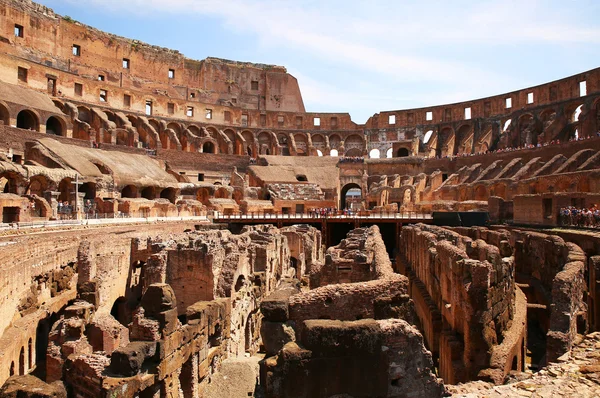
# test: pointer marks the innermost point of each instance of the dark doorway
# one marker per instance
(54, 126)
(27, 120)
(402, 153)
(10, 214)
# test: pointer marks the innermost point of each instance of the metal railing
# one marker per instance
(326, 216)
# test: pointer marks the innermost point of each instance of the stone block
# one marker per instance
(127, 361)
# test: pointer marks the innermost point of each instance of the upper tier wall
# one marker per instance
(496, 106)
(217, 91)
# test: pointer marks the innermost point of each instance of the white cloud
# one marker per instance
(399, 43)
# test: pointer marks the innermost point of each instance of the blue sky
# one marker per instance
(364, 57)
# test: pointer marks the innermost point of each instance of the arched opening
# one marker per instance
(30, 353)
(375, 154)
(203, 195)
(208, 147)
(38, 185)
(170, 194)
(54, 126)
(351, 196)
(120, 312)
(11, 372)
(334, 152)
(355, 145)
(389, 153)
(22, 361)
(89, 189)
(301, 178)
(402, 153)
(84, 114)
(8, 183)
(130, 191)
(427, 136)
(301, 144)
(222, 193)
(149, 193)
(66, 189)
(319, 153)
(27, 120)
(577, 113)
(4, 115)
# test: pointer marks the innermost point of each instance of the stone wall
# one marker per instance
(464, 293)
(361, 256)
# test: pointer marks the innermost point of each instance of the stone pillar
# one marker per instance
(189, 377)
(77, 201)
(86, 265)
(52, 199)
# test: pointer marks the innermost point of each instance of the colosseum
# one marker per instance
(182, 228)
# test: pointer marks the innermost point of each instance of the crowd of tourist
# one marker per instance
(584, 217)
(512, 149)
(324, 212)
(352, 159)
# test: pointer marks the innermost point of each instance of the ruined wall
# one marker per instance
(36, 285)
(383, 358)
(159, 338)
(361, 256)
(464, 294)
(348, 338)
(551, 272)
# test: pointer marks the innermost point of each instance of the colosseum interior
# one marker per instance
(183, 228)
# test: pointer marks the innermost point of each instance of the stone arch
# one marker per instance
(375, 153)
(527, 132)
(446, 142)
(344, 192)
(176, 127)
(389, 153)
(10, 182)
(212, 132)
(301, 144)
(203, 195)
(155, 124)
(56, 126)
(133, 120)
(209, 147)
(319, 142)
(125, 138)
(84, 114)
(148, 193)
(222, 193)
(334, 141)
(481, 193)
(170, 194)
(129, 191)
(354, 145)
(66, 189)
(464, 137)
(38, 184)
(28, 120)
(195, 130)
(265, 143)
(4, 114)
(249, 137)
